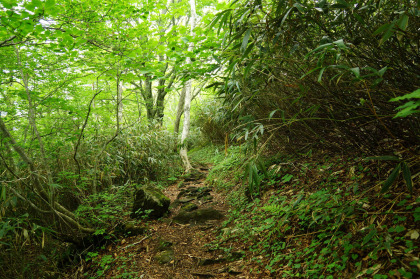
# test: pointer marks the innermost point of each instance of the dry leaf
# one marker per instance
(413, 234)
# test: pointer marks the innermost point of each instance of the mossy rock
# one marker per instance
(148, 198)
(174, 204)
(198, 216)
(164, 257)
(207, 198)
(189, 207)
(193, 175)
(194, 192)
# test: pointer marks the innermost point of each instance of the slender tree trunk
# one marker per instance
(32, 123)
(119, 106)
(138, 105)
(149, 99)
(95, 115)
(179, 112)
(64, 216)
(186, 127)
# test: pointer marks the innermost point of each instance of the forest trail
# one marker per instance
(171, 249)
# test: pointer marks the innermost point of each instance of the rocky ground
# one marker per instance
(176, 246)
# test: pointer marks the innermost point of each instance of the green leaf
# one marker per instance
(299, 7)
(356, 72)
(408, 109)
(392, 177)
(286, 178)
(382, 29)
(369, 236)
(245, 40)
(37, 3)
(342, 2)
(223, 21)
(310, 72)
(327, 45)
(248, 50)
(388, 33)
(263, 169)
(360, 19)
(403, 22)
(282, 116)
(407, 176)
(382, 71)
(49, 4)
(413, 95)
(215, 20)
(340, 43)
(285, 17)
(272, 113)
(299, 199)
(321, 72)
(215, 58)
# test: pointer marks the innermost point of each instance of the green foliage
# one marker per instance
(320, 230)
(212, 119)
(106, 210)
(319, 72)
(409, 107)
(401, 166)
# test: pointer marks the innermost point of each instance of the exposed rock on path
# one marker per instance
(149, 198)
(176, 246)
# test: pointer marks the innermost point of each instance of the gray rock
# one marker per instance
(149, 198)
(132, 229)
(198, 216)
(194, 192)
(189, 207)
(185, 200)
(194, 175)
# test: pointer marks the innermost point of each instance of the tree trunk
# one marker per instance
(119, 106)
(138, 105)
(66, 223)
(186, 127)
(179, 112)
(32, 123)
(148, 99)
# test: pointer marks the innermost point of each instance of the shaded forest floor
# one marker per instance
(316, 216)
(170, 249)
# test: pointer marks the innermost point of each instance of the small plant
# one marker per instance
(410, 107)
(401, 166)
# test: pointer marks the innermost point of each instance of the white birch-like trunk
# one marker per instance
(187, 104)
(119, 103)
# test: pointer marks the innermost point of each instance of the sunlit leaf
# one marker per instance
(245, 40)
(413, 95)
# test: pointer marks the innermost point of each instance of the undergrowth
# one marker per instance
(319, 217)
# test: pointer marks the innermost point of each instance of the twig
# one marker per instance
(135, 243)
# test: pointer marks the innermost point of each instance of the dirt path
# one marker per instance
(176, 250)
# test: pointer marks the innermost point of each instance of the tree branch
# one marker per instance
(81, 132)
